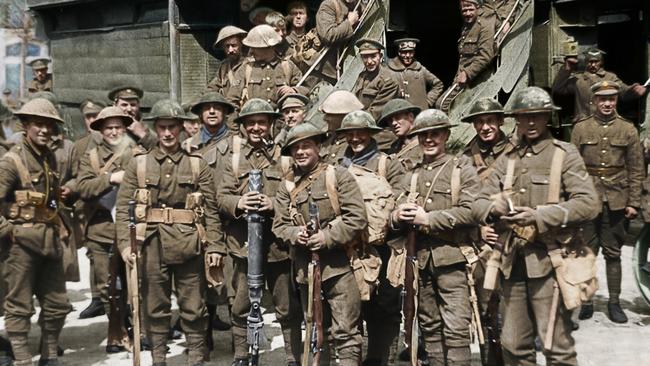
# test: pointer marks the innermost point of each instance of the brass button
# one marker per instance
(603, 151)
(604, 126)
(429, 200)
(332, 155)
(429, 168)
(524, 170)
(268, 78)
(449, 190)
(169, 160)
(604, 138)
(428, 184)
(603, 164)
(528, 155)
(523, 190)
(602, 177)
(167, 175)
(268, 89)
(257, 154)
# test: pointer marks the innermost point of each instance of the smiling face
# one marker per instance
(532, 126)
(212, 115)
(130, 107)
(606, 105)
(407, 57)
(469, 11)
(39, 130)
(112, 130)
(257, 128)
(433, 142)
(371, 61)
(357, 139)
(305, 154)
(168, 130)
(487, 127)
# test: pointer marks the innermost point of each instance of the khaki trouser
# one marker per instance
(278, 280)
(223, 294)
(526, 308)
(341, 312)
(189, 284)
(444, 311)
(27, 275)
(101, 267)
(383, 316)
(607, 231)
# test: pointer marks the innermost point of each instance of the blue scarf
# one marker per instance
(361, 158)
(206, 136)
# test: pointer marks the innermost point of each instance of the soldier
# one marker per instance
(416, 84)
(42, 79)
(335, 23)
(178, 226)
(229, 40)
(100, 173)
(399, 114)
(257, 117)
(264, 75)
(442, 216)
(294, 111)
(382, 312)
(128, 98)
(9, 101)
(341, 297)
(34, 265)
(297, 19)
(279, 23)
(542, 191)
(335, 107)
(375, 85)
(496, 11)
(476, 48)
(569, 82)
(610, 147)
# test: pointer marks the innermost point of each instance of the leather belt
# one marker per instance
(604, 171)
(170, 215)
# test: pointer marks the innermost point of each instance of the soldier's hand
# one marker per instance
(638, 89)
(488, 235)
(116, 178)
(303, 236)
(421, 217)
(316, 241)
(631, 212)
(462, 78)
(353, 18)
(138, 129)
(570, 63)
(213, 259)
(266, 203)
(250, 201)
(64, 193)
(285, 89)
(127, 257)
(405, 212)
(524, 216)
(500, 205)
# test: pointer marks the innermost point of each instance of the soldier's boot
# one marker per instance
(96, 308)
(240, 362)
(292, 337)
(614, 277)
(240, 341)
(159, 347)
(586, 311)
(21, 349)
(196, 348)
(459, 356)
(382, 342)
(435, 353)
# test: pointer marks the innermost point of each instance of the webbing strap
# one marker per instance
(330, 186)
(141, 170)
(93, 155)
(455, 185)
(510, 174)
(555, 177)
(381, 167)
(236, 152)
(248, 72)
(195, 166)
(23, 173)
(435, 179)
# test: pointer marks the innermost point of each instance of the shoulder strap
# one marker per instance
(455, 185)
(248, 72)
(381, 166)
(413, 188)
(510, 174)
(141, 170)
(286, 69)
(236, 152)
(555, 177)
(23, 173)
(285, 165)
(330, 186)
(476, 155)
(93, 155)
(110, 161)
(195, 165)
(435, 179)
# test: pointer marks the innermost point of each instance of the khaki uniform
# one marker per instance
(99, 197)
(38, 86)
(341, 297)
(334, 32)
(293, 38)
(278, 265)
(526, 268)
(382, 312)
(375, 89)
(416, 84)
(578, 85)
(34, 265)
(444, 311)
(476, 48)
(172, 251)
(496, 10)
(264, 79)
(333, 148)
(225, 77)
(484, 156)
(407, 152)
(614, 158)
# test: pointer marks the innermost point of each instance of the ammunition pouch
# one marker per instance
(366, 264)
(30, 208)
(575, 272)
(396, 262)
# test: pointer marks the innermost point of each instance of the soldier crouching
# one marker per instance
(339, 226)
(441, 189)
(30, 186)
(177, 222)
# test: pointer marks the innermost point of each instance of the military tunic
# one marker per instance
(334, 31)
(485, 155)
(342, 300)
(526, 267)
(34, 266)
(37, 86)
(293, 38)
(416, 84)
(476, 48)
(225, 77)
(277, 270)
(375, 89)
(172, 251)
(578, 85)
(407, 151)
(99, 196)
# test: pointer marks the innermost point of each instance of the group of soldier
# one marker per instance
(513, 219)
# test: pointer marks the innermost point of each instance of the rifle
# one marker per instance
(134, 285)
(314, 330)
(117, 333)
(409, 293)
(255, 277)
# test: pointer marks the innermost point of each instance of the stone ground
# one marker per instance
(599, 341)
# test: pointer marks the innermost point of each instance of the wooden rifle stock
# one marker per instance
(316, 299)
(134, 285)
(117, 333)
(411, 334)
